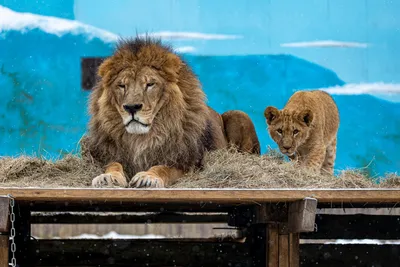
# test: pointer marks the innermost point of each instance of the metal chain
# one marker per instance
(13, 262)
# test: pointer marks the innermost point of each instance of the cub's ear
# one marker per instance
(271, 113)
(306, 116)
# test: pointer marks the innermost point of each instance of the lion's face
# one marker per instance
(137, 81)
(289, 129)
(138, 98)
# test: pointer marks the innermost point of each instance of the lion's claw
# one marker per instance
(146, 179)
(106, 180)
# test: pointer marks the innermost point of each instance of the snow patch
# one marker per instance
(364, 88)
(365, 242)
(112, 235)
(326, 43)
(191, 36)
(350, 241)
(185, 49)
(18, 21)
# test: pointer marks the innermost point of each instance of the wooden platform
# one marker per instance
(223, 196)
(271, 223)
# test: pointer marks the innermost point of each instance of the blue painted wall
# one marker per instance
(246, 64)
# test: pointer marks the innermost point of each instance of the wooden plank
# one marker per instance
(230, 196)
(91, 206)
(140, 252)
(349, 255)
(106, 218)
(301, 216)
(355, 227)
(3, 251)
(273, 245)
(4, 213)
(283, 250)
(294, 246)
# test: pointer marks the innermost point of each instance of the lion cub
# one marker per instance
(306, 129)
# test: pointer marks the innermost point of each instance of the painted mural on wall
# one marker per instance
(248, 55)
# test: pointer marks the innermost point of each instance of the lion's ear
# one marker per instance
(104, 67)
(271, 114)
(306, 116)
(173, 65)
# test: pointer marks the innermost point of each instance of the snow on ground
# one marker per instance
(326, 43)
(364, 88)
(350, 241)
(112, 235)
(18, 21)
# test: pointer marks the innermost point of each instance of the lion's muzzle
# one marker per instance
(132, 109)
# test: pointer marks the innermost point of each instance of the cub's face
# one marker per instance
(288, 129)
(138, 98)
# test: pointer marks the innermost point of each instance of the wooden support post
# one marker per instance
(294, 250)
(279, 245)
(4, 226)
(283, 247)
(273, 245)
(283, 250)
(4, 251)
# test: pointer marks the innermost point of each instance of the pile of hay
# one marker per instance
(223, 169)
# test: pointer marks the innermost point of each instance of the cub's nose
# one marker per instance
(287, 147)
(133, 108)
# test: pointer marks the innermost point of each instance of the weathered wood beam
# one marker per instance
(4, 214)
(301, 217)
(4, 229)
(219, 196)
(105, 218)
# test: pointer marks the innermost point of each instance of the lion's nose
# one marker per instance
(133, 108)
(287, 147)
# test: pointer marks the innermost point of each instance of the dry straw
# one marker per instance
(223, 169)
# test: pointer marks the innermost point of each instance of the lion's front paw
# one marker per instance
(108, 180)
(146, 179)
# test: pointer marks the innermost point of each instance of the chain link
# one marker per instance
(13, 262)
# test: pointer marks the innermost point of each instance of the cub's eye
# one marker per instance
(149, 85)
(296, 131)
(279, 131)
(121, 86)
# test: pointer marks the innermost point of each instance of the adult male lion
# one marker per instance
(149, 119)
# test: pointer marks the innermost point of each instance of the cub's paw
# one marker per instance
(109, 180)
(146, 179)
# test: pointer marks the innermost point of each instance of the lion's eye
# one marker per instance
(279, 131)
(121, 86)
(295, 131)
(149, 85)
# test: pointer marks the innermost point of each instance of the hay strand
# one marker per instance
(223, 169)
